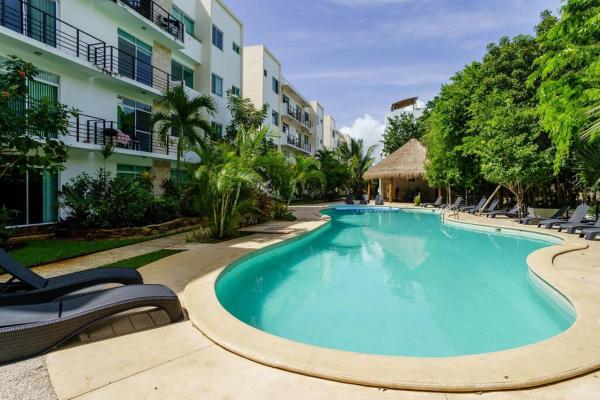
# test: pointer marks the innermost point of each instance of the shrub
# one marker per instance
(200, 235)
(417, 199)
(282, 213)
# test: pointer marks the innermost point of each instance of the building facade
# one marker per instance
(410, 105)
(113, 60)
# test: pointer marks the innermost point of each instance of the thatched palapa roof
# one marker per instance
(406, 163)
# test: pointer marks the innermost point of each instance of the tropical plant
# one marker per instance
(336, 172)
(399, 130)
(359, 160)
(568, 70)
(106, 150)
(303, 170)
(29, 135)
(243, 114)
(185, 118)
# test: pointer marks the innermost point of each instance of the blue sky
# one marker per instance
(358, 56)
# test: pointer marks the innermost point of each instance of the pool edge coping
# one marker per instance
(574, 352)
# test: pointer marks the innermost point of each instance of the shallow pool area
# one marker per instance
(397, 283)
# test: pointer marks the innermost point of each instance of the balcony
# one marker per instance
(150, 17)
(298, 115)
(90, 132)
(297, 143)
(46, 35)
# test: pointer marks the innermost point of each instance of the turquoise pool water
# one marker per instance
(398, 283)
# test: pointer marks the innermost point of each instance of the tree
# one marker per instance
(568, 72)
(359, 160)
(29, 134)
(337, 174)
(303, 170)
(187, 118)
(243, 114)
(512, 147)
(399, 130)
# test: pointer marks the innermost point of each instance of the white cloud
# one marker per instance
(368, 129)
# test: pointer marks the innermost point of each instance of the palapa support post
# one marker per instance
(390, 186)
(369, 191)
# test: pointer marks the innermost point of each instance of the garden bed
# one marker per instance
(143, 231)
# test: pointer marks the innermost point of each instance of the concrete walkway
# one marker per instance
(178, 362)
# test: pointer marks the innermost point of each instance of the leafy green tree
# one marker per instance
(303, 170)
(359, 160)
(507, 136)
(569, 71)
(446, 127)
(187, 118)
(29, 135)
(243, 114)
(399, 130)
(337, 174)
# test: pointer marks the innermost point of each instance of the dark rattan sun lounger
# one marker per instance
(531, 219)
(29, 330)
(573, 227)
(512, 213)
(379, 200)
(475, 207)
(349, 200)
(455, 205)
(27, 287)
(438, 202)
(365, 200)
(577, 217)
(491, 208)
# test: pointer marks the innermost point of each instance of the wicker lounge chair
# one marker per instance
(349, 199)
(530, 219)
(379, 200)
(32, 329)
(436, 204)
(491, 208)
(364, 200)
(27, 287)
(574, 227)
(475, 207)
(577, 216)
(512, 213)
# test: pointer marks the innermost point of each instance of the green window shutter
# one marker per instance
(39, 90)
(42, 21)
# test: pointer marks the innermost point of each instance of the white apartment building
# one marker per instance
(300, 124)
(411, 105)
(112, 60)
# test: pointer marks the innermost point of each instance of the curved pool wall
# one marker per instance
(397, 283)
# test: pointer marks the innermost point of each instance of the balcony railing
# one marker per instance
(297, 114)
(99, 131)
(158, 15)
(21, 17)
(296, 142)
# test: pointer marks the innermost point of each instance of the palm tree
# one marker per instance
(358, 160)
(185, 116)
(303, 170)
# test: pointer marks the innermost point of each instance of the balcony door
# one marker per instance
(135, 58)
(36, 18)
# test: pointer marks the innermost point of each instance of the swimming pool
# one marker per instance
(397, 283)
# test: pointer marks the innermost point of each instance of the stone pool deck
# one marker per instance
(178, 361)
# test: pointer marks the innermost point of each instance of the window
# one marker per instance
(217, 37)
(182, 73)
(236, 91)
(133, 118)
(286, 128)
(275, 85)
(265, 73)
(217, 129)
(130, 171)
(187, 22)
(236, 47)
(217, 85)
(135, 58)
(286, 99)
(275, 118)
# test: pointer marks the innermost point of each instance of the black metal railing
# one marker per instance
(98, 131)
(298, 115)
(297, 142)
(39, 25)
(116, 61)
(158, 15)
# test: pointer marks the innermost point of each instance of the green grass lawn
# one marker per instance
(144, 259)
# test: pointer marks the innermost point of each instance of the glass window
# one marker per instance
(217, 129)
(131, 171)
(187, 22)
(217, 85)
(133, 119)
(181, 73)
(275, 118)
(236, 91)
(236, 47)
(286, 128)
(286, 99)
(217, 37)
(265, 73)
(135, 58)
(276, 86)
